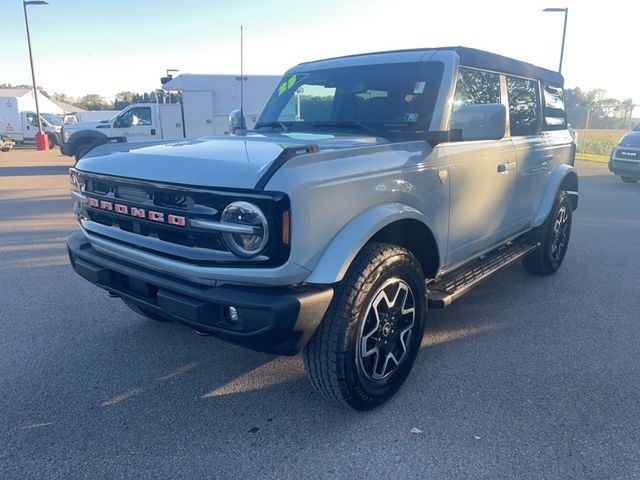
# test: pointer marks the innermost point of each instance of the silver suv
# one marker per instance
(374, 187)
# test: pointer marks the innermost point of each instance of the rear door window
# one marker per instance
(555, 117)
(523, 106)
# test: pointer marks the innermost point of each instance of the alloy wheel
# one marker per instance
(385, 334)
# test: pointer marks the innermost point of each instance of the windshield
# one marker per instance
(637, 128)
(385, 99)
(53, 119)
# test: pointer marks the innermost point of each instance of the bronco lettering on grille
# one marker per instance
(151, 215)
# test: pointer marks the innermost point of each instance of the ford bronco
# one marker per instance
(373, 188)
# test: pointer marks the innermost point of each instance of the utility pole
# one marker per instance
(33, 74)
(564, 31)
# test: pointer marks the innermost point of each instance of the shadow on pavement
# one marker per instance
(34, 170)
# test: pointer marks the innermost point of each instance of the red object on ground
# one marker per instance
(42, 141)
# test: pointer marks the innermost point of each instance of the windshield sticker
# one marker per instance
(287, 84)
(419, 88)
(411, 117)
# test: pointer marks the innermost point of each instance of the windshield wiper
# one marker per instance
(276, 124)
(348, 124)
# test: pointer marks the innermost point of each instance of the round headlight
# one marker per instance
(247, 230)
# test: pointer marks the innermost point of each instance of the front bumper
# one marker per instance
(276, 320)
(629, 167)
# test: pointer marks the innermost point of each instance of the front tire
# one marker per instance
(630, 179)
(553, 236)
(367, 342)
(52, 141)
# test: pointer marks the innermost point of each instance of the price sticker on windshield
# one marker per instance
(419, 88)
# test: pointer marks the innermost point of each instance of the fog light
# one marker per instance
(231, 315)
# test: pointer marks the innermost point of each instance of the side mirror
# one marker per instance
(121, 123)
(237, 123)
(480, 122)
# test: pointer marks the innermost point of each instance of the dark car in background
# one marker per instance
(625, 157)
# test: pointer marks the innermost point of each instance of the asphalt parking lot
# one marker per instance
(524, 377)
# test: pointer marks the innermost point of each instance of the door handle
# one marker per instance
(505, 167)
(153, 131)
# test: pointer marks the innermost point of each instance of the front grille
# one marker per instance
(180, 236)
(180, 202)
(623, 154)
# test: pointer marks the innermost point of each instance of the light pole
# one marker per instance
(564, 30)
(631, 109)
(25, 3)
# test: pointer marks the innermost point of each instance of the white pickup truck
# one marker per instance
(206, 103)
(137, 122)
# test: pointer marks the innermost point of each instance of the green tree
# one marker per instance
(123, 99)
(92, 101)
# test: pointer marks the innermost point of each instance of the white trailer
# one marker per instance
(90, 116)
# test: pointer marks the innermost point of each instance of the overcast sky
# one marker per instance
(92, 46)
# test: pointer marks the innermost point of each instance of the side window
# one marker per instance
(476, 86)
(555, 117)
(523, 106)
(31, 119)
(138, 116)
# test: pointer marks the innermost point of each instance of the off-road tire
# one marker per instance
(331, 356)
(543, 261)
(52, 141)
(626, 179)
(144, 312)
(82, 150)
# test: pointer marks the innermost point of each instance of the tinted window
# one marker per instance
(523, 106)
(476, 86)
(386, 99)
(554, 111)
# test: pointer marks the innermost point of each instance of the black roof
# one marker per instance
(472, 57)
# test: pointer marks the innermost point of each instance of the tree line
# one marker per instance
(93, 101)
(600, 110)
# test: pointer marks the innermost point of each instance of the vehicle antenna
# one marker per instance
(242, 125)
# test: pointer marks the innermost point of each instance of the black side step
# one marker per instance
(454, 284)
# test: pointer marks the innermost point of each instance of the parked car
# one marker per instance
(6, 143)
(374, 187)
(625, 157)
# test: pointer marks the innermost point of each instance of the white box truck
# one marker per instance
(21, 125)
(207, 101)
